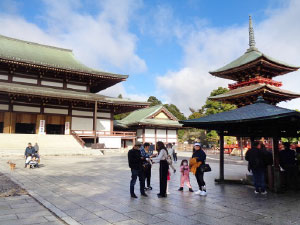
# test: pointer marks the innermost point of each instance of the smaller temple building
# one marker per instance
(151, 124)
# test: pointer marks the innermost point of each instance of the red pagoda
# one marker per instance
(253, 73)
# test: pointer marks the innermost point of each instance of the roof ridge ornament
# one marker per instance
(260, 99)
(251, 36)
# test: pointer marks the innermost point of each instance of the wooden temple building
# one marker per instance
(46, 90)
(151, 125)
(253, 73)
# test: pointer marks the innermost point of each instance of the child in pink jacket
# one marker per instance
(185, 176)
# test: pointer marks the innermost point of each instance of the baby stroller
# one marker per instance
(33, 161)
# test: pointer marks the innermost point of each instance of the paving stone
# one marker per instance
(112, 216)
(98, 221)
(129, 222)
(144, 217)
(8, 217)
(80, 214)
(24, 221)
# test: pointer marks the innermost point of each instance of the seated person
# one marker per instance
(28, 159)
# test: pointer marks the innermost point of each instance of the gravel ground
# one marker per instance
(9, 188)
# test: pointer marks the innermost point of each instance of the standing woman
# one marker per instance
(163, 168)
(197, 160)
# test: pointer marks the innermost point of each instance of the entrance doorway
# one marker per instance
(55, 129)
(1, 127)
(25, 128)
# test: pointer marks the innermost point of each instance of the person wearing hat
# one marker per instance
(198, 158)
(135, 160)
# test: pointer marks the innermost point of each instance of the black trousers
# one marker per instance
(134, 175)
(199, 177)
(147, 173)
(175, 156)
(163, 174)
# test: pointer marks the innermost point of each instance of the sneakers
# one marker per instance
(144, 194)
(203, 193)
(264, 192)
(180, 189)
(198, 192)
(191, 190)
(256, 192)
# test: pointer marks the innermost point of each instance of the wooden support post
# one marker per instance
(241, 143)
(221, 134)
(95, 123)
(276, 177)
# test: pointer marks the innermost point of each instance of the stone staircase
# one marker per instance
(15, 144)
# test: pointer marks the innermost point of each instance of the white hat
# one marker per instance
(197, 144)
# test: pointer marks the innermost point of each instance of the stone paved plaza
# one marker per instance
(95, 190)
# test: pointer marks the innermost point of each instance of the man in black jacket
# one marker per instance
(135, 163)
(287, 161)
(257, 164)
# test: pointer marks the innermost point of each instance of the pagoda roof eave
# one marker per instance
(257, 88)
(250, 59)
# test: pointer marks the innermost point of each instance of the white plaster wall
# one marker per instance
(150, 133)
(56, 111)
(3, 77)
(103, 125)
(104, 114)
(25, 80)
(172, 140)
(111, 142)
(162, 139)
(52, 84)
(77, 87)
(3, 107)
(139, 132)
(140, 139)
(161, 133)
(172, 134)
(21, 108)
(82, 123)
(81, 113)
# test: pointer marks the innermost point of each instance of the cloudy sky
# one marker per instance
(167, 47)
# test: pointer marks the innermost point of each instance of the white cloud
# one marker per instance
(206, 48)
(102, 41)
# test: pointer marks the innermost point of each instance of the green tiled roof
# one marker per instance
(43, 55)
(141, 117)
(249, 57)
(65, 94)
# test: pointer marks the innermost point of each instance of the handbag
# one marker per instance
(205, 168)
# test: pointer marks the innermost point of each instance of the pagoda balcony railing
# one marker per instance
(91, 133)
(256, 80)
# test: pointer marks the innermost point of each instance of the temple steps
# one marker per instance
(15, 144)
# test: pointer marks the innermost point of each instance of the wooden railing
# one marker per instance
(256, 80)
(91, 133)
(78, 138)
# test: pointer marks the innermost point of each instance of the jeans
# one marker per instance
(134, 175)
(259, 179)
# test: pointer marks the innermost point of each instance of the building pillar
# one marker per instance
(95, 122)
(276, 178)
(144, 133)
(221, 134)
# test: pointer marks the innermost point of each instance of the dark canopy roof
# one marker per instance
(258, 119)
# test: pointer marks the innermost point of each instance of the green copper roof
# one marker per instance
(141, 117)
(43, 55)
(249, 57)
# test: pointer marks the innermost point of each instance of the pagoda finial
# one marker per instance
(251, 36)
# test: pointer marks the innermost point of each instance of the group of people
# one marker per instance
(259, 159)
(141, 157)
(32, 156)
